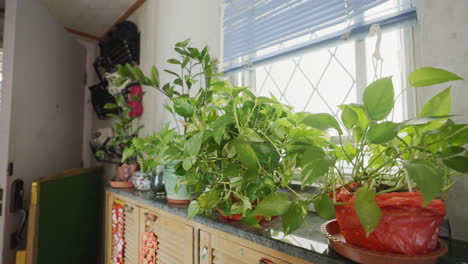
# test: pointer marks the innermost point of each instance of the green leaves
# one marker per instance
(246, 153)
(208, 200)
(193, 209)
(458, 163)
(267, 155)
(155, 76)
(367, 209)
(322, 121)
(431, 76)
(295, 216)
(383, 132)
(315, 163)
(429, 180)
(439, 105)
(192, 145)
(324, 207)
(183, 107)
(274, 204)
(219, 127)
(378, 99)
(349, 117)
(110, 106)
(127, 153)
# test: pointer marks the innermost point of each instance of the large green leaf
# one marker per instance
(322, 121)
(449, 151)
(439, 105)
(324, 207)
(219, 127)
(183, 107)
(378, 99)
(367, 209)
(348, 116)
(315, 163)
(360, 112)
(127, 153)
(383, 132)
(246, 153)
(272, 205)
(193, 209)
(294, 216)
(267, 155)
(458, 163)
(428, 179)
(431, 76)
(192, 145)
(208, 200)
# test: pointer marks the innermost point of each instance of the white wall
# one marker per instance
(442, 41)
(162, 24)
(44, 70)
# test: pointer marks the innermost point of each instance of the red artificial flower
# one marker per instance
(135, 102)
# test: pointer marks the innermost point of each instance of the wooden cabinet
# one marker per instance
(151, 233)
(122, 231)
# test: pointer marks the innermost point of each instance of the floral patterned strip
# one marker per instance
(118, 242)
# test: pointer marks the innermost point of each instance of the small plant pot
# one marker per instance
(235, 217)
(142, 180)
(405, 227)
(124, 172)
(175, 191)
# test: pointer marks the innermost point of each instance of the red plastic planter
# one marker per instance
(405, 226)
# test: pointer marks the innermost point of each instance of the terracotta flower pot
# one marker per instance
(405, 226)
(124, 172)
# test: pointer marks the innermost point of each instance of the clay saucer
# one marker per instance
(121, 184)
(331, 230)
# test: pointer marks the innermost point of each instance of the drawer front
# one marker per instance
(229, 252)
(174, 239)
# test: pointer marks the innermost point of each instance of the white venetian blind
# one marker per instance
(256, 30)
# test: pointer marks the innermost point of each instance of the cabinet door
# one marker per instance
(131, 233)
(227, 252)
(165, 239)
(122, 231)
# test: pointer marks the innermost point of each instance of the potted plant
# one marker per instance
(235, 150)
(248, 155)
(146, 152)
(124, 131)
(186, 106)
(391, 199)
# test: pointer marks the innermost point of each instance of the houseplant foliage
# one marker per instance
(124, 132)
(236, 150)
(399, 170)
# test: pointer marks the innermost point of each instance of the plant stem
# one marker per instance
(292, 190)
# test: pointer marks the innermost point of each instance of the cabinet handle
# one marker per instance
(265, 261)
(204, 254)
(128, 208)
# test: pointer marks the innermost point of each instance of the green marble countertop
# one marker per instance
(306, 243)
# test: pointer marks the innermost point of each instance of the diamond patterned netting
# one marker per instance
(320, 80)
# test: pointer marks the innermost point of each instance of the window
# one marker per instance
(332, 70)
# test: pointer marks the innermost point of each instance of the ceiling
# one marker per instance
(90, 17)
